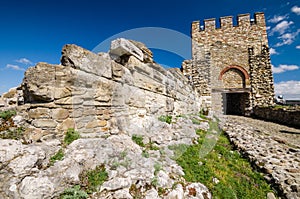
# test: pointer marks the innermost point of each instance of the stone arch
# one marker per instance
(234, 77)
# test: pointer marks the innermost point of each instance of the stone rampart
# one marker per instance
(97, 95)
(286, 116)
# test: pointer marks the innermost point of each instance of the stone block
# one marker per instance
(121, 46)
(96, 123)
(39, 113)
(44, 123)
(60, 114)
(73, 100)
(66, 124)
(84, 60)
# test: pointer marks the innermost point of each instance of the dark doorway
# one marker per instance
(235, 103)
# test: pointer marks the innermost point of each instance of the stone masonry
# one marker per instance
(100, 94)
(231, 64)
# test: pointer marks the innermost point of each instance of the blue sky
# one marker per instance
(35, 31)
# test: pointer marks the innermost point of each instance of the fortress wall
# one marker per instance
(228, 44)
(97, 96)
(221, 60)
(290, 117)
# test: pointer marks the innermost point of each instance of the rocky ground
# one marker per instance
(133, 170)
(273, 148)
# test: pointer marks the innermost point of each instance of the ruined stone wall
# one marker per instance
(290, 116)
(98, 96)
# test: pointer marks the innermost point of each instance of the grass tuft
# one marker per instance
(138, 139)
(165, 118)
(70, 136)
(74, 193)
(93, 179)
(7, 114)
(58, 156)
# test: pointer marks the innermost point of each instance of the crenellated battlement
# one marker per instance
(242, 20)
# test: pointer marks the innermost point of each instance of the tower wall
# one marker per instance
(224, 50)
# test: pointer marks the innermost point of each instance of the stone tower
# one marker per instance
(230, 66)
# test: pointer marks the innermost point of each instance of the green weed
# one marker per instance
(93, 179)
(70, 136)
(58, 156)
(74, 193)
(14, 134)
(145, 154)
(138, 139)
(7, 114)
(165, 118)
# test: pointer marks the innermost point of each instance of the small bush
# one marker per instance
(58, 156)
(70, 136)
(7, 114)
(138, 139)
(94, 178)
(74, 193)
(165, 118)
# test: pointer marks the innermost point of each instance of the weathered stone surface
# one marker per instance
(96, 123)
(271, 196)
(39, 113)
(36, 188)
(121, 47)
(38, 84)
(66, 124)
(59, 114)
(44, 123)
(10, 149)
(79, 58)
(29, 176)
(116, 184)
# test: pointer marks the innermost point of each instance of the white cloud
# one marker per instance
(277, 19)
(291, 87)
(24, 61)
(283, 68)
(268, 27)
(14, 67)
(296, 10)
(298, 47)
(287, 38)
(282, 27)
(273, 51)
